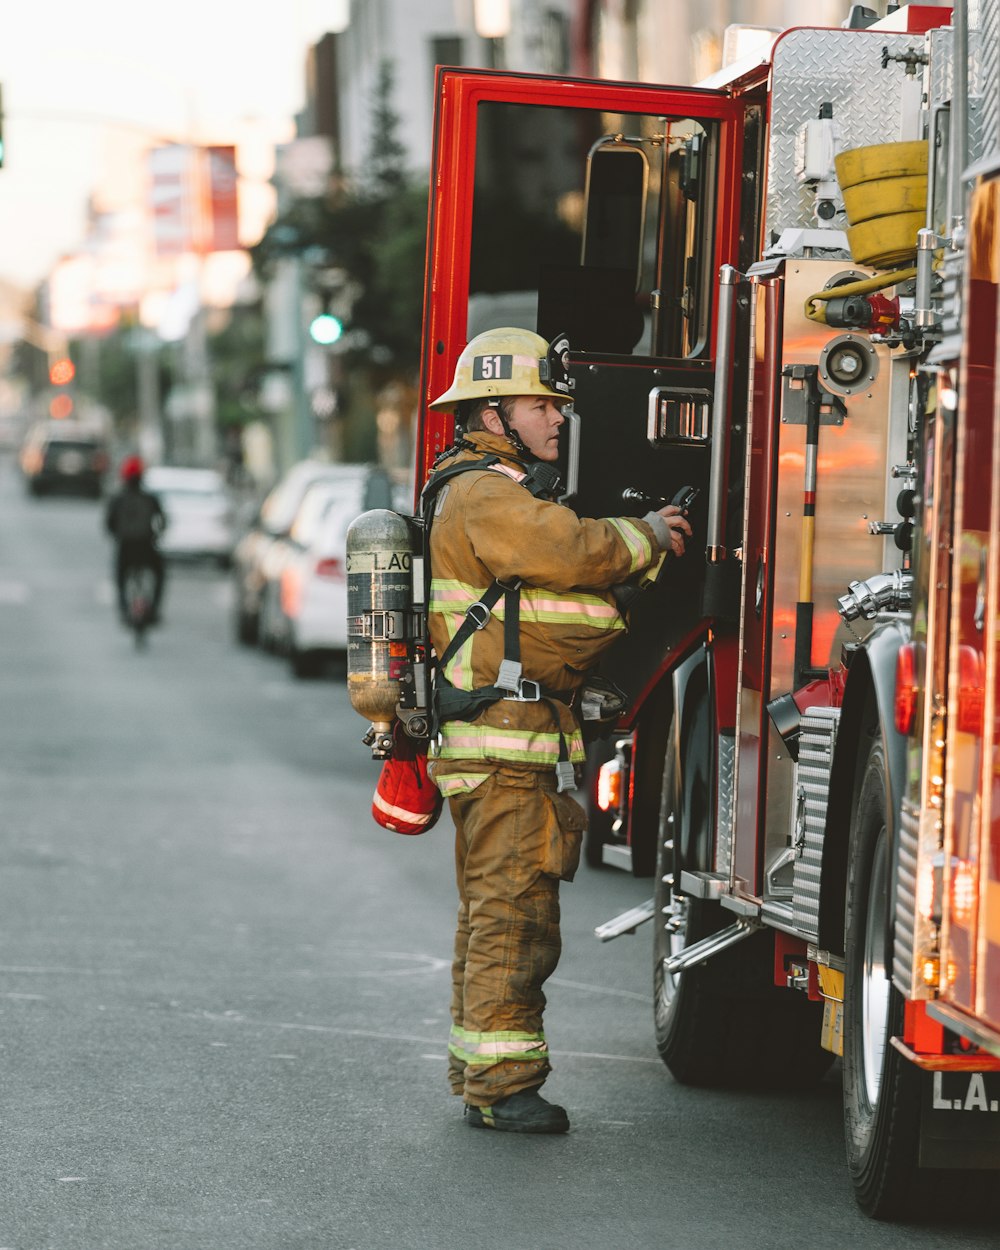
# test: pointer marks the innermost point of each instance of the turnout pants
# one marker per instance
(515, 840)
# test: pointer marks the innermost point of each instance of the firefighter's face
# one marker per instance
(538, 420)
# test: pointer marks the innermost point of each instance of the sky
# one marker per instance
(80, 81)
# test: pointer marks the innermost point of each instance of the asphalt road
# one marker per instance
(224, 990)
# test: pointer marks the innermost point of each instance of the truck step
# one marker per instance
(627, 922)
(709, 946)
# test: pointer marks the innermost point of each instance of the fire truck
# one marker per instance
(779, 287)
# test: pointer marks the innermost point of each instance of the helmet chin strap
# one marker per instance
(512, 436)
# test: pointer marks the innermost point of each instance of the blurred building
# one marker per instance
(679, 42)
(343, 68)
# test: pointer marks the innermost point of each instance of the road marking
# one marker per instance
(594, 1054)
(600, 989)
(38, 998)
(235, 1017)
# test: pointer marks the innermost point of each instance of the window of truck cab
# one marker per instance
(562, 241)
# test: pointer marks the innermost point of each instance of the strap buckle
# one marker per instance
(519, 689)
(473, 615)
(565, 777)
(509, 676)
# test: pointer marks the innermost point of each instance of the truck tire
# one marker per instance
(882, 1094)
(723, 1023)
(881, 1089)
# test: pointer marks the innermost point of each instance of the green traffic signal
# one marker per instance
(326, 329)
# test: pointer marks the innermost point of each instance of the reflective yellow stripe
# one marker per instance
(452, 596)
(569, 609)
(400, 813)
(459, 783)
(539, 605)
(486, 1048)
(640, 548)
(458, 670)
(461, 740)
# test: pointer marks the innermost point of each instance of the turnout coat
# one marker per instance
(485, 525)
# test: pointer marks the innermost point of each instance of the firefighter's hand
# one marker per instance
(678, 525)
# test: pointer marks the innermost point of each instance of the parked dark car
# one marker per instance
(64, 456)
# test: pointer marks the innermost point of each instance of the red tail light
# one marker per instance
(906, 688)
(970, 690)
(609, 786)
(330, 567)
(291, 593)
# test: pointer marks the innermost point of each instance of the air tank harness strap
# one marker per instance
(451, 703)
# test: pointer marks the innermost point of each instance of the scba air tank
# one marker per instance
(380, 551)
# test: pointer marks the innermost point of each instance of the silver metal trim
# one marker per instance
(572, 453)
(679, 417)
(729, 279)
(703, 884)
(747, 907)
(617, 856)
(709, 946)
(626, 922)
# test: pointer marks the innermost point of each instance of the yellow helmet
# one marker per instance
(508, 361)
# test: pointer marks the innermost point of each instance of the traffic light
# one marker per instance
(325, 329)
(62, 371)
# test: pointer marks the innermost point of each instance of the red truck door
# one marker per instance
(602, 211)
(508, 191)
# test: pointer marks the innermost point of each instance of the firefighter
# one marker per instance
(503, 553)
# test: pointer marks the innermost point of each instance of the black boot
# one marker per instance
(524, 1112)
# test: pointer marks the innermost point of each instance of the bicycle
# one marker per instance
(140, 586)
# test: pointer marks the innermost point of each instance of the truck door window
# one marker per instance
(594, 224)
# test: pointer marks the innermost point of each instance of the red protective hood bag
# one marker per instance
(405, 799)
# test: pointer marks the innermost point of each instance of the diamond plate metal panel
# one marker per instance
(939, 80)
(989, 26)
(724, 803)
(812, 789)
(844, 68)
(906, 899)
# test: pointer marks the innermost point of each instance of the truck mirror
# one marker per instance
(617, 178)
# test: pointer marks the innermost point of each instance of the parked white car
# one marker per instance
(256, 558)
(314, 579)
(199, 512)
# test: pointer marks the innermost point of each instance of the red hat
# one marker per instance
(132, 468)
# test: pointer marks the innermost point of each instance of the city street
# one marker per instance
(224, 990)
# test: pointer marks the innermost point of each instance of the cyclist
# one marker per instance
(135, 519)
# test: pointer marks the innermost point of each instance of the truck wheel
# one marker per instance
(724, 1022)
(881, 1089)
